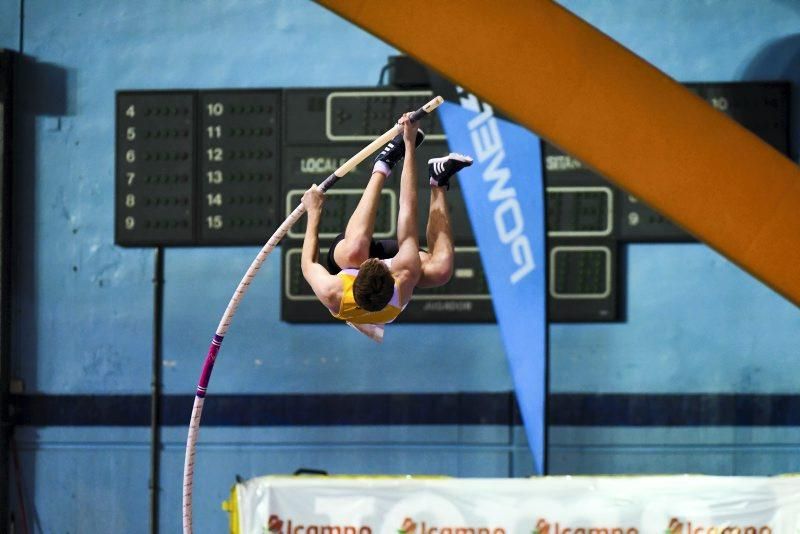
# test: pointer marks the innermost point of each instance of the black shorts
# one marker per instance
(382, 249)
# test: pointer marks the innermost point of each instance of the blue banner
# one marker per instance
(504, 194)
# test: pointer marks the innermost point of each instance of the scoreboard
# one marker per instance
(226, 167)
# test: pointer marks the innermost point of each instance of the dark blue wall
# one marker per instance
(83, 307)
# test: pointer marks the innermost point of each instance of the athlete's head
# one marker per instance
(374, 286)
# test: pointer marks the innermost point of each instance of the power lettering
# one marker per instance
(508, 219)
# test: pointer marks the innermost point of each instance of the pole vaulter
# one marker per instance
(552, 72)
(233, 305)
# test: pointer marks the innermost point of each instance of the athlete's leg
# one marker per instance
(437, 265)
(354, 248)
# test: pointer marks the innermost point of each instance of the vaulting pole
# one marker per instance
(238, 295)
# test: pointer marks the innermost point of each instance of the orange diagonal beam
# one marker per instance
(560, 77)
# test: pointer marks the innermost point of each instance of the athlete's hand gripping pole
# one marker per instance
(233, 305)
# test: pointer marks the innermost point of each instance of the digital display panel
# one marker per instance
(580, 211)
(339, 206)
(580, 272)
(364, 115)
(583, 279)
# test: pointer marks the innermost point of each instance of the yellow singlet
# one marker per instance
(349, 310)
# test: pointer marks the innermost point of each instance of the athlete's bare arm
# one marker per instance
(327, 287)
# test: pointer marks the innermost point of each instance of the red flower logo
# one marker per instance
(542, 527)
(408, 526)
(274, 523)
